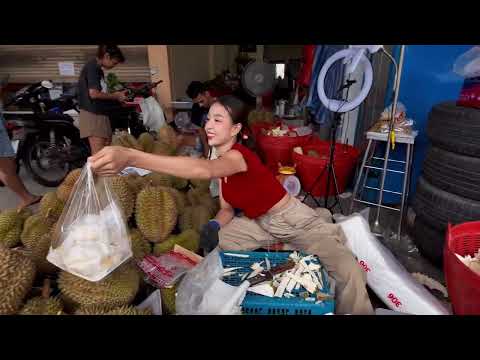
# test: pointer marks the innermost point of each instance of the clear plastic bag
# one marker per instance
(153, 116)
(90, 239)
(467, 65)
(202, 292)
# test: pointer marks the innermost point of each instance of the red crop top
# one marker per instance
(254, 191)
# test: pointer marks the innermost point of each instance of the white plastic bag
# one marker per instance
(90, 239)
(202, 292)
(467, 65)
(385, 275)
(153, 117)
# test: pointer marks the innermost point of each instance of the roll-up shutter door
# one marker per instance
(31, 63)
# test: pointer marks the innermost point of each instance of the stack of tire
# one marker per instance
(449, 189)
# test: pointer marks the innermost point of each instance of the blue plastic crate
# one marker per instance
(254, 304)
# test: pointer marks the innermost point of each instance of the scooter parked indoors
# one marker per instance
(43, 133)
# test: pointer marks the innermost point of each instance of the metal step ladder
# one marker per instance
(373, 139)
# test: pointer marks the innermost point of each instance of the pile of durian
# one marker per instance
(160, 211)
(260, 116)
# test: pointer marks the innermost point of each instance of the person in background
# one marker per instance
(94, 99)
(272, 215)
(203, 97)
(8, 170)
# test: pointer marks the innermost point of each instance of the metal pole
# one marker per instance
(398, 75)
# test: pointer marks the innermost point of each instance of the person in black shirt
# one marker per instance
(94, 99)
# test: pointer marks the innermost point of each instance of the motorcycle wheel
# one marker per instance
(46, 164)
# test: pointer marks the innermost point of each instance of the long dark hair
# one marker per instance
(237, 110)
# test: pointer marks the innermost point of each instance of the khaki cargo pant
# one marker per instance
(300, 227)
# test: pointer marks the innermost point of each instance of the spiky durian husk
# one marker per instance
(160, 148)
(51, 202)
(117, 289)
(194, 217)
(140, 245)
(41, 306)
(180, 199)
(146, 140)
(136, 183)
(35, 227)
(200, 197)
(157, 179)
(179, 183)
(167, 135)
(127, 140)
(168, 300)
(17, 273)
(11, 226)
(123, 193)
(201, 184)
(39, 251)
(156, 213)
(188, 239)
(123, 310)
(66, 187)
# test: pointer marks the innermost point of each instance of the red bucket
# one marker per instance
(309, 168)
(463, 284)
(278, 149)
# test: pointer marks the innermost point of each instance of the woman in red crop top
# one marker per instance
(271, 215)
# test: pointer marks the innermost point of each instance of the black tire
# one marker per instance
(429, 241)
(456, 174)
(455, 128)
(437, 207)
(38, 176)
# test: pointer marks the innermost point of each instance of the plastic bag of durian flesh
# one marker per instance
(90, 239)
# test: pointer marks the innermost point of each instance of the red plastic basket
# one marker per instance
(463, 284)
(275, 150)
(309, 168)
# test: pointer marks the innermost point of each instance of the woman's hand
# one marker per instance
(110, 160)
(121, 96)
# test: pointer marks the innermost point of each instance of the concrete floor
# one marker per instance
(8, 199)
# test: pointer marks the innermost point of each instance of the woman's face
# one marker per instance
(219, 126)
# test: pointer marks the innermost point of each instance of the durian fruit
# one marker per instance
(43, 305)
(167, 135)
(201, 184)
(17, 273)
(11, 225)
(168, 300)
(156, 213)
(36, 226)
(189, 239)
(180, 199)
(199, 197)
(160, 148)
(124, 194)
(117, 289)
(50, 201)
(122, 310)
(127, 140)
(135, 182)
(146, 140)
(194, 217)
(158, 179)
(140, 245)
(39, 251)
(66, 187)
(179, 183)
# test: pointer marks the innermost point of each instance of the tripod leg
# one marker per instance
(309, 192)
(337, 197)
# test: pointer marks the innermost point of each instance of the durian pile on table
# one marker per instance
(161, 211)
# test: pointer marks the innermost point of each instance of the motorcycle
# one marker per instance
(45, 138)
